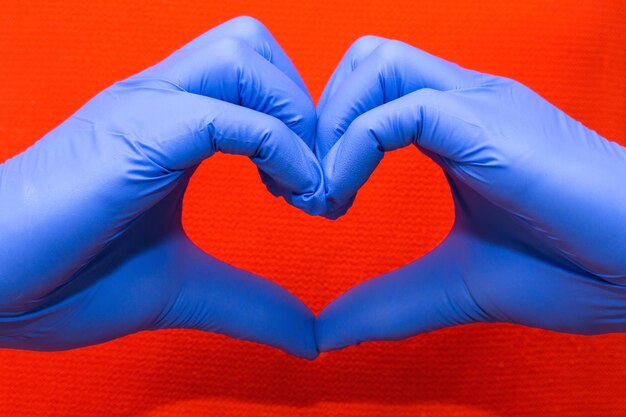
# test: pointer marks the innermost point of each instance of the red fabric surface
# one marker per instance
(55, 55)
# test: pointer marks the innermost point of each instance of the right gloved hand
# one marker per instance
(92, 246)
(540, 232)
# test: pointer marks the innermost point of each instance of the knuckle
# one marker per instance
(229, 50)
(274, 126)
(429, 95)
(364, 46)
(392, 50)
(248, 28)
(479, 78)
(231, 54)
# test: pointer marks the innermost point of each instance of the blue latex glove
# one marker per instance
(539, 237)
(90, 216)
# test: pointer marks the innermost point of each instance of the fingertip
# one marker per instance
(293, 326)
(331, 334)
(352, 318)
(307, 348)
(312, 200)
(290, 326)
(347, 166)
(270, 184)
(335, 212)
(311, 203)
(289, 168)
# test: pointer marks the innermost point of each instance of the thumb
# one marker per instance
(425, 295)
(436, 121)
(220, 298)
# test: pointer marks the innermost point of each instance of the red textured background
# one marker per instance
(56, 55)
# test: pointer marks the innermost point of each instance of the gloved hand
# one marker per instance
(539, 237)
(90, 216)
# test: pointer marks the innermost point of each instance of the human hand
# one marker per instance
(539, 237)
(90, 220)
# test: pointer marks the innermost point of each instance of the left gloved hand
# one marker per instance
(540, 232)
(92, 246)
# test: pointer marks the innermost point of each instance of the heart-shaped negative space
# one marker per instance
(403, 211)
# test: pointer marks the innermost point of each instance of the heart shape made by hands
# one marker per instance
(385, 95)
(106, 188)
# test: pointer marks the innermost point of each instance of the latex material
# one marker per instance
(90, 230)
(524, 248)
(540, 226)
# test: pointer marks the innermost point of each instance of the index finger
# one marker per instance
(392, 70)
